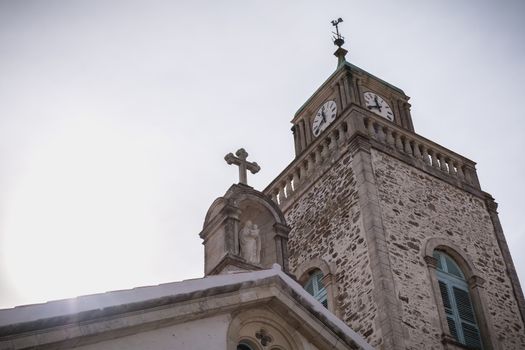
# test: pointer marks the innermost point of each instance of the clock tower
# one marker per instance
(392, 231)
(348, 86)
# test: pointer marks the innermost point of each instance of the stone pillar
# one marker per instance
(389, 311)
(307, 131)
(281, 245)
(302, 134)
(492, 207)
(347, 81)
(232, 230)
(341, 94)
(408, 118)
(357, 86)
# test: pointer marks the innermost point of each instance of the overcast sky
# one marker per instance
(115, 117)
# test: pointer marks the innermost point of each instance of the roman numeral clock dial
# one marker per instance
(378, 105)
(324, 117)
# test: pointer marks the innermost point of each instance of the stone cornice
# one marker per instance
(233, 292)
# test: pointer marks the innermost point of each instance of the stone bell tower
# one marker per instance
(244, 229)
(410, 246)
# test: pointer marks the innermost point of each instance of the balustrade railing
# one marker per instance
(303, 167)
(392, 137)
(421, 149)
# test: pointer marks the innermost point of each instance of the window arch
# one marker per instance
(304, 271)
(459, 310)
(258, 329)
(246, 345)
(314, 286)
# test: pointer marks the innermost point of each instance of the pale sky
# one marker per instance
(115, 117)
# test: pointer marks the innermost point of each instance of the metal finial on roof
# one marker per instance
(338, 38)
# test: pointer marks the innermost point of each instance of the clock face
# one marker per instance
(324, 117)
(378, 105)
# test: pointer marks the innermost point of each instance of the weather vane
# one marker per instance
(338, 38)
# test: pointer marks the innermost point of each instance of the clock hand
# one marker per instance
(377, 104)
(317, 128)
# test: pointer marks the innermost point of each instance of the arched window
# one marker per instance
(246, 345)
(459, 311)
(262, 329)
(315, 287)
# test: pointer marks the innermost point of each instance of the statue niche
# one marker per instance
(250, 243)
(244, 230)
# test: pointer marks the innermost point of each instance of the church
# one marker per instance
(373, 237)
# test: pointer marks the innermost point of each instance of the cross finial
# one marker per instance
(243, 164)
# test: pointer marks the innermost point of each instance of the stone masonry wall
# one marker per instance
(326, 224)
(416, 206)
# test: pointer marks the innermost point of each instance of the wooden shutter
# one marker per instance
(444, 294)
(315, 287)
(467, 318)
(460, 314)
(448, 309)
(309, 287)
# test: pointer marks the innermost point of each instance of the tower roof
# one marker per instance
(343, 64)
(351, 68)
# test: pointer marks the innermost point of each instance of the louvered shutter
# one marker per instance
(315, 287)
(467, 318)
(444, 294)
(448, 309)
(437, 256)
(322, 295)
(459, 311)
(310, 287)
(452, 327)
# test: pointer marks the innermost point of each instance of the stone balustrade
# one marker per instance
(302, 169)
(383, 135)
(422, 150)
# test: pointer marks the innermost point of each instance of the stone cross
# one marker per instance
(243, 164)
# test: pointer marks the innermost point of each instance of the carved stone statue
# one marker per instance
(250, 243)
